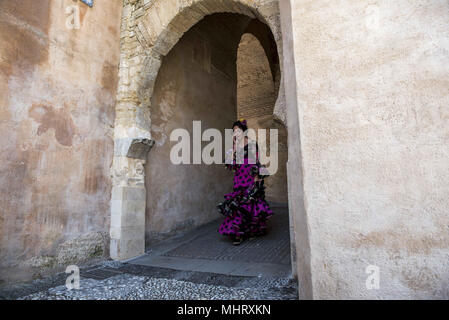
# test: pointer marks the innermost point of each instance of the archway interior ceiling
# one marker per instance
(235, 25)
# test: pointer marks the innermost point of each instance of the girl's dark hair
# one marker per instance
(241, 124)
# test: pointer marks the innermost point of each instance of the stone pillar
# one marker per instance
(132, 142)
(128, 200)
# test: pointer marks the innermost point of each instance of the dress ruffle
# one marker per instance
(245, 211)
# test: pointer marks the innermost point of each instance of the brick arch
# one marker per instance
(150, 29)
(265, 37)
(263, 34)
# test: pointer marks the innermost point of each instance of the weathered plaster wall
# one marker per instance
(196, 82)
(57, 97)
(372, 81)
(299, 226)
(256, 97)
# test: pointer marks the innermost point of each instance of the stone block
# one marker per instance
(132, 148)
(139, 148)
(129, 244)
(133, 214)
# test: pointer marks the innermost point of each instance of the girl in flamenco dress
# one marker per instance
(245, 209)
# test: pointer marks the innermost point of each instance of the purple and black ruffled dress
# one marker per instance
(245, 209)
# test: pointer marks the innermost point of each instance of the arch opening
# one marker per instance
(150, 30)
(204, 78)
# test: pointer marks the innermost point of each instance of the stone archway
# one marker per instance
(149, 30)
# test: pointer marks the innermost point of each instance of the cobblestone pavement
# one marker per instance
(196, 265)
(121, 281)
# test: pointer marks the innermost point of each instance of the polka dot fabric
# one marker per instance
(245, 209)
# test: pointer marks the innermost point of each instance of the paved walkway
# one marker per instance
(205, 250)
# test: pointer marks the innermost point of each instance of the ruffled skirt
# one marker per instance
(246, 212)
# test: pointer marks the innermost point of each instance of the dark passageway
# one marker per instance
(225, 67)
